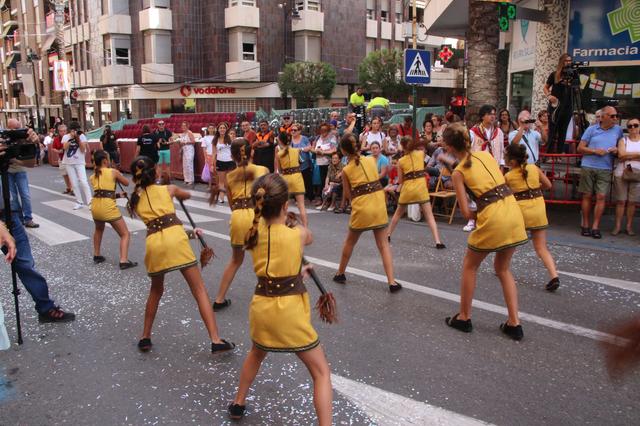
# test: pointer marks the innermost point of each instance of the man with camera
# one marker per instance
(526, 135)
(19, 184)
(23, 262)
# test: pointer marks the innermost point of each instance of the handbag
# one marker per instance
(629, 173)
(206, 174)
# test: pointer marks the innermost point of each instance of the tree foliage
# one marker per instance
(381, 72)
(307, 81)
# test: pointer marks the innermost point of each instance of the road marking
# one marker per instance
(611, 282)
(53, 234)
(387, 408)
(50, 191)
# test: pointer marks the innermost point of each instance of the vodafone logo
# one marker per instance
(187, 90)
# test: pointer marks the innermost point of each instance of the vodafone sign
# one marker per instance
(187, 90)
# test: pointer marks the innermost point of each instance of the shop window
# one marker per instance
(249, 3)
(235, 105)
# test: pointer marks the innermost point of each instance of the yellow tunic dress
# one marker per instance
(500, 224)
(104, 209)
(413, 191)
(240, 188)
(288, 160)
(280, 323)
(533, 210)
(368, 211)
(168, 249)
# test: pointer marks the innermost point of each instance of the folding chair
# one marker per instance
(445, 195)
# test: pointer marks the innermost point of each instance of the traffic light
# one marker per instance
(506, 13)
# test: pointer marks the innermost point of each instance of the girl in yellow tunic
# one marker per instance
(499, 227)
(239, 183)
(288, 165)
(280, 315)
(167, 249)
(413, 188)
(104, 209)
(527, 182)
(361, 184)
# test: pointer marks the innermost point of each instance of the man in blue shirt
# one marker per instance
(598, 146)
(525, 135)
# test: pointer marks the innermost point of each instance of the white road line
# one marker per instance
(53, 234)
(387, 408)
(50, 191)
(612, 282)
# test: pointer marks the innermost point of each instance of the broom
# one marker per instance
(206, 254)
(326, 304)
(623, 353)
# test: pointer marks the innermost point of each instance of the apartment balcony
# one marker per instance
(386, 30)
(157, 73)
(310, 20)
(399, 32)
(372, 28)
(447, 18)
(243, 71)
(114, 24)
(81, 79)
(117, 74)
(241, 16)
(155, 19)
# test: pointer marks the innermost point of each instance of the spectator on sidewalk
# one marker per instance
(110, 145)
(19, 185)
(247, 132)
(406, 129)
(47, 142)
(58, 148)
(598, 146)
(525, 135)
(626, 176)
(264, 148)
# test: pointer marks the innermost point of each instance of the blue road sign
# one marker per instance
(417, 66)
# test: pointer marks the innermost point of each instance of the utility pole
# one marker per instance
(414, 88)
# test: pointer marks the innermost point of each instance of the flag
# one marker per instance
(596, 84)
(584, 79)
(635, 90)
(609, 90)
(623, 89)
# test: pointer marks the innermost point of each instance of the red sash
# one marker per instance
(478, 130)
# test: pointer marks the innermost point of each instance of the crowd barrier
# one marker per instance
(563, 170)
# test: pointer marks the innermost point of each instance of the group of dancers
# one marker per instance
(279, 312)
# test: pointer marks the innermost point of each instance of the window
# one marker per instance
(235, 105)
(157, 47)
(122, 56)
(398, 18)
(308, 5)
(371, 14)
(371, 45)
(117, 50)
(164, 4)
(249, 3)
(384, 17)
(248, 52)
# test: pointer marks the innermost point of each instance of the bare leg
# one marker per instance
(502, 265)
(385, 253)
(347, 250)
(97, 237)
(303, 210)
(157, 288)
(400, 211)
(631, 211)
(222, 183)
(229, 273)
(318, 367)
(599, 210)
(586, 210)
(199, 292)
(120, 226)
(470, 265)
(431, 221)
(619, 213)
(539, 237)
(250, 369)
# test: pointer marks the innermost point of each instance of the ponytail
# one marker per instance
(251, 240)
(270, 194)
(144, 174)
(350, 145)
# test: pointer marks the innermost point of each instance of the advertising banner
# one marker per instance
(604, 30)
(61, 82)
(523, 43)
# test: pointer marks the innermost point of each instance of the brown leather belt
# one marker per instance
(529, 194)
(104, 193)
(282, 286)
(366, 188)
(241, 203)
(291, 170)
(491, 196)
(414, 175)
(162, 222)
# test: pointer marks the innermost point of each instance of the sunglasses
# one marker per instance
(613, 115)
(295, 130)
(633, 126)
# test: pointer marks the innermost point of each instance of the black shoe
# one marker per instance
(236, 411)
(225, 346)
(513, 331)
(394, 288)
(464, 326)
(585, 232)
(98, 259)
(31, 224)
(553, 284)
(340, 278)
(220, 306)
(56, 315)
(128, 264)
(144, 345)
(440, 246)
(595, 233)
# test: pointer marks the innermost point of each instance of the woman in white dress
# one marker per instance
(187, 142)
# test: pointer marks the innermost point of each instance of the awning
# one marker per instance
(11, 61)
(48, 43)
(447, 18)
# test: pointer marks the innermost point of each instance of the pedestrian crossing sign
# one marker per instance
(417, 66)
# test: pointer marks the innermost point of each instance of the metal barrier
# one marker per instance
(563, 170)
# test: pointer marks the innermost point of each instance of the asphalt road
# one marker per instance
(394, 359)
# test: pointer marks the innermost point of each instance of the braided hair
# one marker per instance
(270, 193)
(241, 153)
(349, 144)
(456, 136)
(518, 153)
(99, 157)
(144, 174)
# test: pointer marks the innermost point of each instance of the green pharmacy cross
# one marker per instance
(506, 13)
(626, 18)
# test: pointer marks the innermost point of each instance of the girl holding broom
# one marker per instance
(239, 182)
(280, 315)
(104, 209)
(167, 249)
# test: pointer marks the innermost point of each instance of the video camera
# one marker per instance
(18, 145)
(570, 72)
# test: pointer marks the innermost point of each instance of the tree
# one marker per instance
(482, 44)
(381, 71)
(307, 81)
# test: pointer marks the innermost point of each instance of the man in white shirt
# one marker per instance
(525, 135)
(75, 146)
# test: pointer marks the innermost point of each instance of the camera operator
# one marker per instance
(23, 261)
(19, 184)
(558, 92)
(527, 136)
